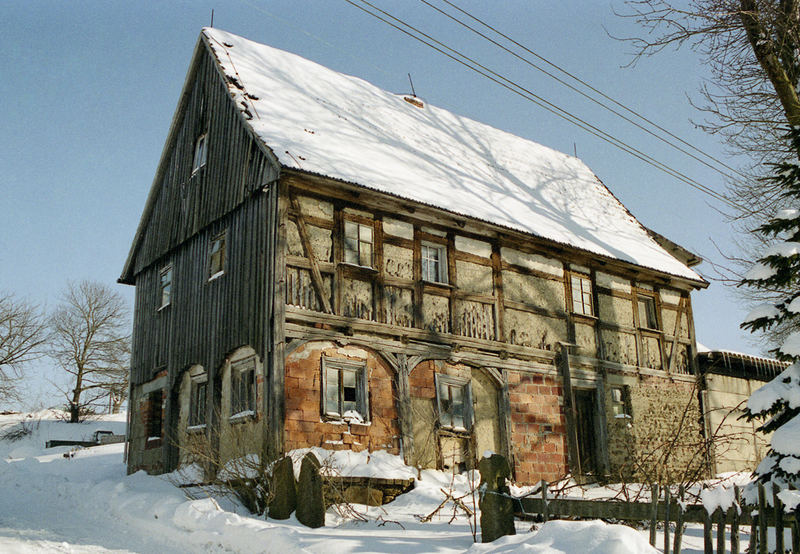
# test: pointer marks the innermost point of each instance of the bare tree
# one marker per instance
(22, 334)
(90, 341)
(752, 51)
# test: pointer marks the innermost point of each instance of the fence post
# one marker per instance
(708, 541)
(721, 531)
(666, 519)
(762, 519)
(796, 531)
(751, 548)
(545, 510)
(737, 497)
(778, 511)
(654, 492)
(676, 545)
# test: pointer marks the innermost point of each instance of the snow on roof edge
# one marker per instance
(275, 65)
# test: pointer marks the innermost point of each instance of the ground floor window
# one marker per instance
(197, 402)
(344, 389)
(454, 402)
(243, 387)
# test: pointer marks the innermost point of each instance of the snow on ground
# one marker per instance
(85, 503)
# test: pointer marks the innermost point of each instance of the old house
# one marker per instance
(323, 263)
(727, 380)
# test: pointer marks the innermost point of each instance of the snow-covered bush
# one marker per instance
(777, 403)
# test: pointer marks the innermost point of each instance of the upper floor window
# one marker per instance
(243, 387)
(582, 295)
(434, 262)
(165, 286)
(197, 402)
(216, 265)
(647, 312)
(344, 385)
(200, 152)
(454, 402)
(358, 243)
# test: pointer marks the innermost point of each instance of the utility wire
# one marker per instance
(590, 87)
(532, 97)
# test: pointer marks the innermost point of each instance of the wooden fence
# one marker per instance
(665, 509)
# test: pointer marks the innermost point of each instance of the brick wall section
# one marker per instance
(304, 422)
(536, 411)
(658, 407)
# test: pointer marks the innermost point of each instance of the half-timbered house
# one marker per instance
(323, 263)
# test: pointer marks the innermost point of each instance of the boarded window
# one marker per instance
(197, 402)
(454, 402)
(216, 265)
(344, 386)
(358, 244)
(165, 286)
(582, 295)
(434, 263)
(200, 152)
(647, 312)
(243, 387)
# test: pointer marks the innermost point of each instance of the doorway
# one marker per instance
(585, 423)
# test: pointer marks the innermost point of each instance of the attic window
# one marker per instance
(647, 312)
(200, 151)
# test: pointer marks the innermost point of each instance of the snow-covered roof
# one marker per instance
(320, 121)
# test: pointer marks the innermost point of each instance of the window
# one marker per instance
(358, 243)
(434, 263)
(344, 385)
(200, 151)
(166, 286)
(582, 295)
(243, 387)
(454, 402)
(197, 402)
(620, 402)
(647, 312)
(154, 414)
(216, 265)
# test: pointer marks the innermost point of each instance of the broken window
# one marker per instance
(197, 402)
(647, 312)
(454, 402)
(620, 402)
(216, 266)
(434, 263)
(582, 295)
(358, 243)
(200, 153)
(166, 286)
(344, 385)
(243, 387)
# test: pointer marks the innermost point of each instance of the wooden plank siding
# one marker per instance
(206, 319)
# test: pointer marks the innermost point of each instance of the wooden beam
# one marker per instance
(316, 276)
(562, 361)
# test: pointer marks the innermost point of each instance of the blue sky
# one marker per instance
(89, 89)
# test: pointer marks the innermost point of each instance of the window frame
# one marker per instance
(441, 273)
(621, 407)
(198, 401)
(648, 301)
(200, 153)
(442, 381)
(220, 239)
(238, 409)
(359, 225)
(582, 279)
(342, 366)
(165, 287)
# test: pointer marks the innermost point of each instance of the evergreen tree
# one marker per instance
(777, 403)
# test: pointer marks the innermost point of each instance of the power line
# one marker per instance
(532, 97)
(590, 87)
